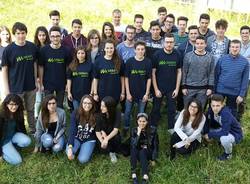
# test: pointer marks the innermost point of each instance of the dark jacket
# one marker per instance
(20, 127)
(151, 141)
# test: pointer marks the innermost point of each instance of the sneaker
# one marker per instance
(225, 156)
(113, 157)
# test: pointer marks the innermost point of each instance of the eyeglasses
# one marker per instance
(194, 107)
(55, 36)
(52, 103)
(87, 103)
(94, 38)
(12, 104)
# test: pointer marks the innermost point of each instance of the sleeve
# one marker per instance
(68, 56)
(179, 60)
(149, 70)
(244, 81)
(91, 73)
(72, 130)
(41, 57)
(197, 132)
(177, 127)
(122, 69)
(62, 122)
(96, 70)
(154, 60)
(69, 74)
(39, 131)
(184, 71)
(5, 60)
(211, 74)
(127, 69)
(21, 127)
(217, 73)
(117, 119)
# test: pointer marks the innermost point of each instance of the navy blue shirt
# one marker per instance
(166, 66)
(54, 62)
(20, 62)
(109, 83)
(152, 46)
(138, 72)
(81, 80)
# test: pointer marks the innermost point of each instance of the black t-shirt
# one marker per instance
(54, 62)
(81, 80)
(52, 128)
(152, 46)
(20, 62)
(166, 66)
(109, 83)
(138, 72)
(85, 133)
(104, 124)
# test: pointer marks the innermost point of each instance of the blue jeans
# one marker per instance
(39, 98)
(10, 154)
(76, 104)
(48, 143)
(86, 150)
(129, 107)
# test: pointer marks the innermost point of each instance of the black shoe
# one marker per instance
(135, 180)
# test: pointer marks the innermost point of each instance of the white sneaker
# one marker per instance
(113, 157)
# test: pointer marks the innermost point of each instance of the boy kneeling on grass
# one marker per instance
(222, 125)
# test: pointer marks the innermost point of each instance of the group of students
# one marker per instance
(123, 65)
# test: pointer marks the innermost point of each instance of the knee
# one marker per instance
(47, 140)
(57, 148)
(224, 141)
(15, 160)
(23, 141)
(84, 159)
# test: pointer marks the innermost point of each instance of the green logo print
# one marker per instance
(24, 58)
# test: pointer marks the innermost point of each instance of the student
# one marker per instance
(231, 77)
(181, 36)
(168, 26)
(166, 70)
(19, 70)
(107, 127)
(75, 39)
(144, 147)
(203, 29)
(54, 58)
(137, 81)
(12, 129)
(198, 73)
(162, 14)
(222, 125)
(94, 45)
(218, 44)
(126, 48)
(50, 126)
(140, 33)
(118, 27)
(54, 16)
(79, 77)
(5, 40)
(41, 39)
(109, 75)
(188, 127)
(82, 131)
(108, 32)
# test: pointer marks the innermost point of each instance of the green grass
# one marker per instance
(201, 167)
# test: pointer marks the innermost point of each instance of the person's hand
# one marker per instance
(187, 144)
(70, 154)
(139, 129)
(158, 94)
(239, 100)
(145, 98)
(175, 93)
(129, 97)
(96, 97)
(209, 92)
(122, 96)
(104, 143)
(55, 140)
(70, 97)
(184, 92)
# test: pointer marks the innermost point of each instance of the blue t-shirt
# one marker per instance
(166, 66)
(109, 83)
(54, 62)
(20, 62)
(81, 80)
(138, 72)
(125, 52)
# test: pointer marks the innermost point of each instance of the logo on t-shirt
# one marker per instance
(24, 58)
(168, 63)
(80, 74)
(138, 72)
(56, 60)
(109, 71)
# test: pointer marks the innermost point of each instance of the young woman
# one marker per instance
(41, 39)
(12, 129)
(5, 40)
(109, 75)
(188, 127)
(108, 32)
(107, 127)
(93, 48)
(50, 126)
(79, 76)
(143, 147)
(82, 131)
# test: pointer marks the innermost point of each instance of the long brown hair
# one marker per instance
(4, 28)
(198, 116)
(104, 37)
(36, 40)
(86, 117)
(74, 64)
(45, 111)
(115, 58)
(91, 34)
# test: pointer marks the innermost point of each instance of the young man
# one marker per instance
(140, 34)
(168, 26)
(222, 125)
(75, 39)
(166, 77)
(219, 44)
(162, 14)
(19, 70)
(204, 21)
(54, 16)
(53, 61)
(231, 77)
(119, 28)
(198, 73)
(126, 49)
(154, 42)
(181, 36)
(137, 81)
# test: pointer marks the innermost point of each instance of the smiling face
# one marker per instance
(109, 49)
(234, 48)
(4, 36)
(138, 23)
(204, 24)
(140, 51)
(200, 45)
(87, 104)
(51, 105)
(76, 28)
(94, 40)
(245, 33)
(41, 37)
(193, 109)
(81, 55)
(107, 31)
(55, 37)
(12, 106)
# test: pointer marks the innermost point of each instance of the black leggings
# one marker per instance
(114, 145)
(183, 151)
(142, 155)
